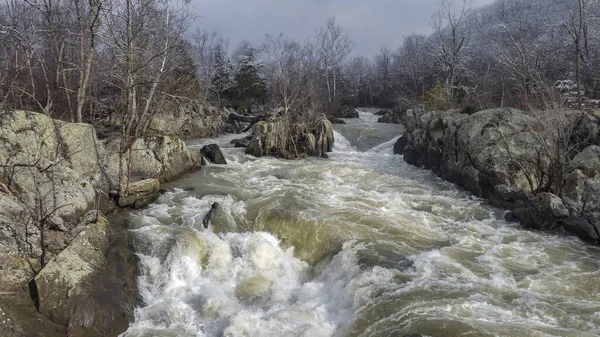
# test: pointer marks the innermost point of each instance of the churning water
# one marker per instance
(360, 244)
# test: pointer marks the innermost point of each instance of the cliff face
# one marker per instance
(519, 162)
(55, 178)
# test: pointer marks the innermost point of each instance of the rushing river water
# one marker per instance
(360, 244)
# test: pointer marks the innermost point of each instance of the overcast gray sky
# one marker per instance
(370, 23)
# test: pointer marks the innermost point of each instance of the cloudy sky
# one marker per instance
(370, 23)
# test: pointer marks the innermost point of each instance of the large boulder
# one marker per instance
(274, 139)
(164, 157)
(140, 194)
(489, 148)
(83, 150)
(62, 281)
(214, 154)
(49, 164)
(90, 286)
(193, 120)
(346, 111)
(505, 155)
(582, 181)
(396, 116)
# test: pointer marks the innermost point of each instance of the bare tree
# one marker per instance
(452, 33)
(141, 35)
(521, 60)
(285, 73)
(577, 27)
(333, 46)
(383, 68)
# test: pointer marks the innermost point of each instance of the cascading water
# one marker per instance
(360, 244)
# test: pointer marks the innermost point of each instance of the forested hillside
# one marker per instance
(509, 53)
(122, 61)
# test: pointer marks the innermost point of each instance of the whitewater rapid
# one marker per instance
(360, 244)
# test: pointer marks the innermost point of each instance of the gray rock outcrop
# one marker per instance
(505, 155)
(273, 139)
(52, 175)
(140, 194)
(193, 120)
(87, 287)
(165, 158)
(346, 111)
(214, 154)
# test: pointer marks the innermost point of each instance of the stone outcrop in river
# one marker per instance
(505, 155)
(53, 185)
(193, 120)
(395, 116)
(346, 111)
(276, 139)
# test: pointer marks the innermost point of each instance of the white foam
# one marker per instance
(341, 144)
(196, 290)
(386, 147)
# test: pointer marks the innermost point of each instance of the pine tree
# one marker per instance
(250, 84)
(222, 81)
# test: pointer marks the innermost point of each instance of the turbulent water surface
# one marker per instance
(360, 244)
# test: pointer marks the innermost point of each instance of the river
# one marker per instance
(360, 244)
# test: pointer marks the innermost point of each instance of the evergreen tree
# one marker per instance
(222, 81)
(250, 84)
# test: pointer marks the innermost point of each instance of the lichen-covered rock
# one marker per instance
(480, 151)
(140, 193)
(582, 180)
(47, 164)
(83, 150)
(163, 157)
(19, 238)
(51, 175)
(90, 286)
(193, 120)
(275, 139)
(499, 154)
(62, 281)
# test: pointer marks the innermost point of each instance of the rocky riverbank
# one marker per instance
(64, 268)
(545, 169)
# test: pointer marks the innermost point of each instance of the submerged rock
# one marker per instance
(209, 215)
(252, 288)
(214, 154)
